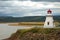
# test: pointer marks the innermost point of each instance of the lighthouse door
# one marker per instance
(47, 23)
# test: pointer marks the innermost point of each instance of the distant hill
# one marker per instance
(26, 19)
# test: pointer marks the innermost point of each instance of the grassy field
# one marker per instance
(36, 34)
(31, 24)
(28, 24)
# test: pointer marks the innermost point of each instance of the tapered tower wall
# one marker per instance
(49, 22)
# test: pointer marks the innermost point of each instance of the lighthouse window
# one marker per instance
(48, 23)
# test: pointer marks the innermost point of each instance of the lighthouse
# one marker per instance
(49, 22)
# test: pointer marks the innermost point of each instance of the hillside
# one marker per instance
(36, 34)
(27, 19)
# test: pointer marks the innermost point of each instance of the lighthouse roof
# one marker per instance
(49, 11)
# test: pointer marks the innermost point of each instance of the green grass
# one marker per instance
(37, 30)
(38, 33)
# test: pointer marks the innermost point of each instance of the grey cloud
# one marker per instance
(14, 11)
(47, 0)
(17, 12)
(13, 0)
(6, 8)
(35, 0)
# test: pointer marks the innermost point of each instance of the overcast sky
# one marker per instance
(19, 8)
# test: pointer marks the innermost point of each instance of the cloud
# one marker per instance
(14, 0)
(47, 0)
(27, 8)
(35, 0)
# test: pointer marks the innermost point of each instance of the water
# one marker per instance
(6, 31)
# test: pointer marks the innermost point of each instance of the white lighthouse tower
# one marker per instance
(49, 22)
